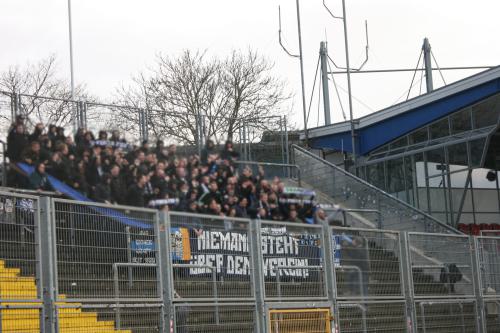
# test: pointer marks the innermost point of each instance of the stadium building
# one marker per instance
(438, 152)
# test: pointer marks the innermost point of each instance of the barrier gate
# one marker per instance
(299, 320)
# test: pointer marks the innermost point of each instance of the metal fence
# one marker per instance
(352, 192)
(263, 138)
(69, 266)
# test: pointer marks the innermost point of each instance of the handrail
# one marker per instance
(116, 285)
(284, 165)
(214, 281)
(363, 313)
(374, 188)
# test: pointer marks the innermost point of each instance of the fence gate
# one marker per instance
(300, 320)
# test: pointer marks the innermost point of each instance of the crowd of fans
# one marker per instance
(108, 169)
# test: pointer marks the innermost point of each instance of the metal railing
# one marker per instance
(73, 266)
(354, 193)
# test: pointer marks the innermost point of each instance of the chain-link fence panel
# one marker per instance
(384, 316)
(105, 252)
(211, 257)
(367, 263)
(6, 113)
(108, 318)
(489, 262)
(48, 111)
(441, 265)
(206, 318)
(351, 192)
(19, 251)
(442, 316)
(293, 260)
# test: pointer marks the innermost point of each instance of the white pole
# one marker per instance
(71, 62)
(302, 74)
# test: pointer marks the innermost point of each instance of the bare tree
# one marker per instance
(44, 96)
(192, 95)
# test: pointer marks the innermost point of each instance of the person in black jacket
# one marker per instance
(38, 179)
(102, 192)
(17, 141)
(135, 194)
(228, 153)
(208, 150)
(117, 185)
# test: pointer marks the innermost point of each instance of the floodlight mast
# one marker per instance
(70, 26)
(349, 69)
(301, 59)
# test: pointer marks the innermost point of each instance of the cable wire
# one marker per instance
(439, 68)
(312, 93)
(414, 74)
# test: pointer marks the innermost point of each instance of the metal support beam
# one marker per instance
(331, 280)
(48, 321)
(323, 54)
(428, 65)
(301, 58)
(258, 276)
(166, 270)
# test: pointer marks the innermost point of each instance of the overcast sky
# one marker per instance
(114, 39)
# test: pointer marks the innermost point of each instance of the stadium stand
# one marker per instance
(108, 257)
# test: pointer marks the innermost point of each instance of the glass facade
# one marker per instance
(448, 168)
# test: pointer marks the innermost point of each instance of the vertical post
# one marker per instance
(13, 107)
(48, 322)
(331, 282)
(407, 282)
(323, 53)
(165, 270)
(129, 255)
(349, 89)
(301, 58)
(245, 141)
(198, 134)
(287, 152)
(428, 65)
(258, 275)
(477, 281)
(70, 26)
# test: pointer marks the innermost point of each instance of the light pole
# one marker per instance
(71, 63)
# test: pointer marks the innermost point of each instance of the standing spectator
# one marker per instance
(117, 186)
(102, 191)
(17, 141)
(135, 194)
(228, 153)
(207, 151)
(37, 133)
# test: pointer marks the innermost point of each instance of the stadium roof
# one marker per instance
(390, 123)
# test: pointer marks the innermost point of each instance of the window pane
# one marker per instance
(486, 113)
(461, 121)
(419, 136)
(402, 142)
(440, 129)
(375, 175)
(395, 176)
(457, 154)
(476, 151)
